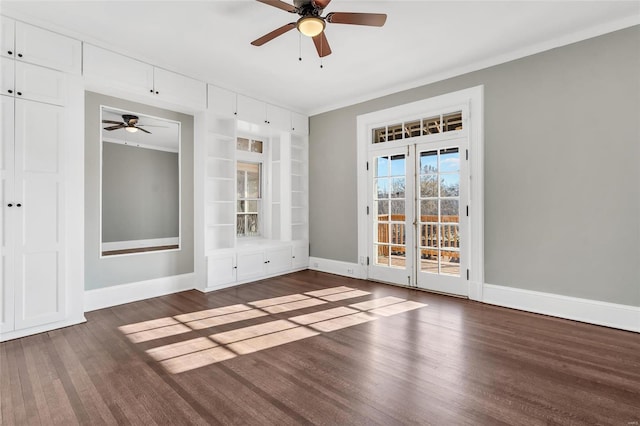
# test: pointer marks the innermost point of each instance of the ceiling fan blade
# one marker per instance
(111, 122)
(280, 5)
(320, 4)
(273, 34)
(140, 128)
(151, 125)
(119, 126)
(371, 19)
(322, 45)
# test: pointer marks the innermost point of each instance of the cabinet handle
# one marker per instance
(235, 113)
(9, 205)
(9, 52)
(10, 91)
(157, 93)
(19, 55)
(19, 93)
(18, 205)
(235, 267)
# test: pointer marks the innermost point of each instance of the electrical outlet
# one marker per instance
(362, 260)
(315, 264)
(350, 271)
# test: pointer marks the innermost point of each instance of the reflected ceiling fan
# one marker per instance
(312, 24)
(129, 123)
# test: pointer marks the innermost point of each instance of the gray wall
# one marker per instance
(562, 179)
(116, 270)
(140, 193)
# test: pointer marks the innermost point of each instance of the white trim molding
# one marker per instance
(337, 267)
(613, 315)
(16, 334)
(133, 292)
(133, 244)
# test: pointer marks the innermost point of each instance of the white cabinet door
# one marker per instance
(251, 264)
(40, 84)
(179, 89)
(7, 36)
(299, 123)
(42, 47)
(221, 269)
(278, 259)
(108, 69)
(300, 255)
(39, 244)
(222, 101)
(7, 216)
(7, 77)
(251, 110)
(278, 118)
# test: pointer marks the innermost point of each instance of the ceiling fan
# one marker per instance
(312, 24)
(129, 123)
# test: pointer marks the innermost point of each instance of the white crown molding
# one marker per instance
(564, 40)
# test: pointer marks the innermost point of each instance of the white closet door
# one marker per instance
(7, 228)
(39, 263)
(40, 84)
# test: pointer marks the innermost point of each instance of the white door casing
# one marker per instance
(470, 99)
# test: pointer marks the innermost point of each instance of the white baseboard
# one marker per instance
(10, 335)
(624, 317)
(132, 292)
(337, 267)
(133, 244)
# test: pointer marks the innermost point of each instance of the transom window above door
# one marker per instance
(430, 125)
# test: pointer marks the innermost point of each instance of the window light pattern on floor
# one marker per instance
(202, 351)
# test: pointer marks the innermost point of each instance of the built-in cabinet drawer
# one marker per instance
(34, 45)
(248, 263)
(26, 81)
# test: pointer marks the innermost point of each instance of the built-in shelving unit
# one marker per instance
(299, 188)
(220, 213)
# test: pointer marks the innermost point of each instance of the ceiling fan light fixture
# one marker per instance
(310, 26)
(131, 129)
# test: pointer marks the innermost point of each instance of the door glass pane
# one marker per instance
(382, 257)
(383, 210)
(429, 186)
(429, 162)
(382, 188)
(397, 187)
(382, 166)
(383, 232)
(398, 257)
(449, 210)
(398, 165)
(429, 210)
(450, 160)
(449, 185)
(397, 210)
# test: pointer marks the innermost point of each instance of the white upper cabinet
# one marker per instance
(108, 68)
(178, 89)
(278, 118)
(251, 110)
(26, 81)
(42, 47)
(222, 102)
(40, 84)
(299, 123)
(7, 32)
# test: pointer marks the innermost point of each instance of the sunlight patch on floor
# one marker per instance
(202, 351)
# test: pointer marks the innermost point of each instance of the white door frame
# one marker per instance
(473, 98)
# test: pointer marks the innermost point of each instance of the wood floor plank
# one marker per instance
(389, 356)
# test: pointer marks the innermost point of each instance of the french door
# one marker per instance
(418, 222)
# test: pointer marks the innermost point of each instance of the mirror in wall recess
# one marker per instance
(140, 183)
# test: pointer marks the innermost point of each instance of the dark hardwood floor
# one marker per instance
(408, 357)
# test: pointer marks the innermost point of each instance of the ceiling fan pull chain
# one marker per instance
(299, 46)
(321, 51)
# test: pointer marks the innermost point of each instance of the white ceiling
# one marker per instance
(422, 41)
